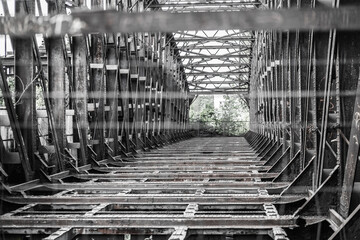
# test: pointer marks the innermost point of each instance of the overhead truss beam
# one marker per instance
(345, 18)
(215, 56)
(205, 65)
(201, 4)
(215, 73)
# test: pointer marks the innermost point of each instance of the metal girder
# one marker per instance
(215, 56)
(115, 185)
(143, 192)
(124, 198)
(215, 73)
(348, 229)
(215, 39)
(221, 92)
(56, 67)
(296, 97)
(98, 84)
(201, 4)
(112, 187)
(221, 89)
(248, 222)
(204, 47)
(178, 175)
(98, 231)
(80, 97)
(64, 233)
(345, 18)
(15, 124)
(287, 122)
(180, 233)
(215, 82)
(203, 65)
(208, 9)
(9, 61)
(352, 158)
(24, 71)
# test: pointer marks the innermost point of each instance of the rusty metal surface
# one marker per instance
(345, 18)
(114, 97)
(194, 200)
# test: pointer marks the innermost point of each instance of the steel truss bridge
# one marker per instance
(95, 139)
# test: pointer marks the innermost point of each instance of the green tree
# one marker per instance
(233, 116)
(207, 114)
(11, 83)
(201, 108)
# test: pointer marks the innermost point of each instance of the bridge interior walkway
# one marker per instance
(95, 133)
(204, 187)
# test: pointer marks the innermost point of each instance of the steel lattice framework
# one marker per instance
(216, 62)
(95, 139)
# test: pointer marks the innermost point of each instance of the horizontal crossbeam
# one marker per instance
(201, 47)
(216, 56)
(215, 73)
(155, 185)
(345, 18)
(153, 198)
(201, 4)
(204, 65)
(217, 39)
(215, 82)
(201, 92)
(256, 222)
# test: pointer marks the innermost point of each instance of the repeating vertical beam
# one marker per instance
(97, 86)
(25, 84)
(137, 49)
(112, 89)
(158, 91)
(151, 97)
(56, 78)
(15, 125)
(141, 112)
(285, 85)
(112, 97)
(167, 105)
(135, 100)
(348, 71)
(97, 89)
(125, 92)
(319, 108)
(324, 80)
(80, 93)
(161, 55)
(352, 158)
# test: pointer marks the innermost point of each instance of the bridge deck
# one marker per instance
(207, 186)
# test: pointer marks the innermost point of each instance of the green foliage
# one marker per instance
(233, 116)
(11, 82)
(40, 103)
(201, 108)
(230, 119)
(207, 114)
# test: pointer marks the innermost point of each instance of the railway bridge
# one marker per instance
(95, 137)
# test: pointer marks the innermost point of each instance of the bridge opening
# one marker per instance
(226, 115)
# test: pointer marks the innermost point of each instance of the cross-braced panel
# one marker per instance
(215, 62)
